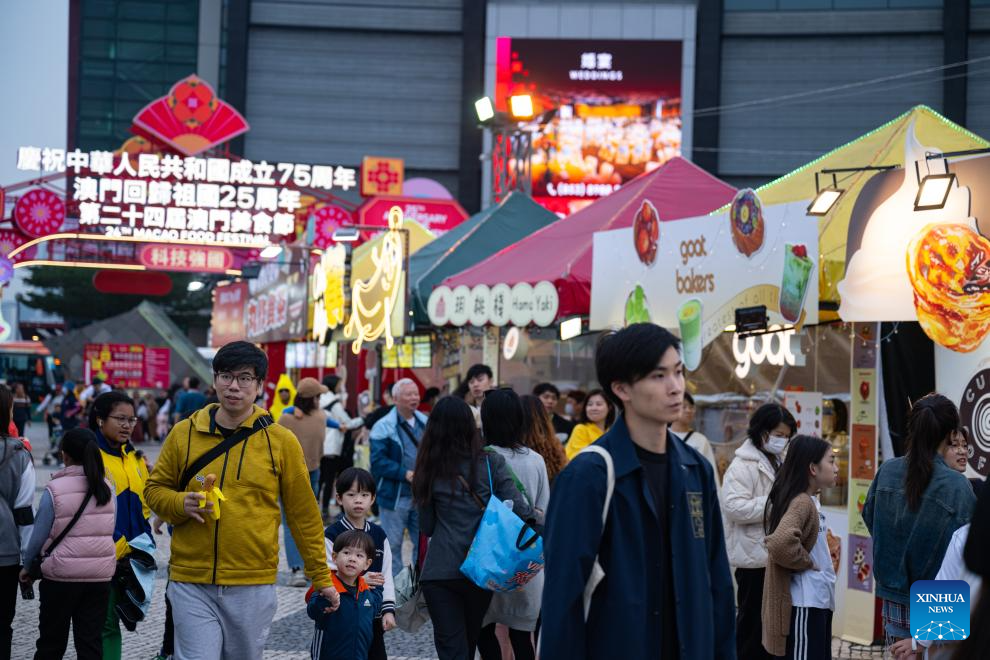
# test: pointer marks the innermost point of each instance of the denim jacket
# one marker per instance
(909, 545)
(386, 459)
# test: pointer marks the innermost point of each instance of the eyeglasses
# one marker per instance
(124, 421)
(226, 378)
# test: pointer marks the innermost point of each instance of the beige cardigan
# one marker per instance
(788, 551)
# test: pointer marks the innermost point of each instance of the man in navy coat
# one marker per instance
(667, 591)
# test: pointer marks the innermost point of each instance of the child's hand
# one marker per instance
(388, 622)
(331, 595)
(375, 579)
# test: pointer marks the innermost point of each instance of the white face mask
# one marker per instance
(569, 409)
(776, 444)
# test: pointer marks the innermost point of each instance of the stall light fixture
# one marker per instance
(826, 198)
(570, 328)
(521, 106)
(934, 191)
(346, 235)
(824, 201)
(195, 285)
(485, 109)
(271, 252)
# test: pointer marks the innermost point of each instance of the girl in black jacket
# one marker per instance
(450, 487)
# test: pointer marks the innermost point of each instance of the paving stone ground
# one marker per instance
(291, 629)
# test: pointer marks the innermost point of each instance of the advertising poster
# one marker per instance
(686, 274)
(127, 366)
(864, 396)
(965, 379)
(865, 345)
(277, 308)
(227, 320)
(932, 265)
(863, 451)
(860, 558)
(807, 410)
(618, 111)
(858, 488)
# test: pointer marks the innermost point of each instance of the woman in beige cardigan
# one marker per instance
(799, 588)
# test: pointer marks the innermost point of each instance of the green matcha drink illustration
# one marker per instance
(794, 286)
(689, 320)
(637, 309)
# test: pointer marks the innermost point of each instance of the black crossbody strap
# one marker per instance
(228, 443)
(72, 523)
(404, 427)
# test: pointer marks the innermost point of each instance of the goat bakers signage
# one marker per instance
(687, 274)
(437, 215)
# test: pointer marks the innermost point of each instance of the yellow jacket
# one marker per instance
(284, 383)
(129, 476)
(242, 546)
(582, 436)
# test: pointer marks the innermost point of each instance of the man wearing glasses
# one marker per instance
(224, 562)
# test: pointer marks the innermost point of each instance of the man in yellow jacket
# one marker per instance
(223, 567)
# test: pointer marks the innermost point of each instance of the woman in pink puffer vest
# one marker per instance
(75, 585)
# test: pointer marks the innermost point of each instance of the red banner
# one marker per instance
(186, 258)
(228, 313)
(128, 365)
(437, 215)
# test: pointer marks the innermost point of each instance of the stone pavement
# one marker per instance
(291, 630)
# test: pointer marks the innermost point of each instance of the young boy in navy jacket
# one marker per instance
(345, 633)
(356, 493)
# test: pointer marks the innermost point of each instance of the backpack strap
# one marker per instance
(597, 572)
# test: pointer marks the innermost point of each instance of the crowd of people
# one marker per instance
(646, 551)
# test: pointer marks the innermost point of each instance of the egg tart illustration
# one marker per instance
(646, 233)
(949, 270)
(746, 219)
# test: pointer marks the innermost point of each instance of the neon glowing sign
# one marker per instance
(327, 285)
(192, 199)
(373, 300)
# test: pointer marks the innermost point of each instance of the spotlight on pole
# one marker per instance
(521, 106)
(485, 110)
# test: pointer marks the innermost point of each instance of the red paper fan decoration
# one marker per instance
(191, 118)
(39, 213)
(11, 239)
(329, 219)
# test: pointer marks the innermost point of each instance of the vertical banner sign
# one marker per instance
(862, 468)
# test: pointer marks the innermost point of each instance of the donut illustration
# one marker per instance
(746, 220)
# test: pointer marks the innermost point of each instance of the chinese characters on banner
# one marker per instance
(129, 365)
(498, 305)
(186, 199)
(186, 258)
(272, 307)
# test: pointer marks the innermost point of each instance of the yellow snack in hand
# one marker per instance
(212, 493)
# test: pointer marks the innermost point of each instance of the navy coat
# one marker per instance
(625, 619)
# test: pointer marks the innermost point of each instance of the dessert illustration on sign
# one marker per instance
(794, 285)
(637, 309)
(949, 270)
(689, 320)
(646, 233)
(746, 219)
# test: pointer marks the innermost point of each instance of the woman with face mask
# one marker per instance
(745, 488)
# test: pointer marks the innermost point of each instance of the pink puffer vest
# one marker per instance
(87, 553)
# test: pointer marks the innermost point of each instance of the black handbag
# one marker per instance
(34, 570)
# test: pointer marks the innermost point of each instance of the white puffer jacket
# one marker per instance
(745, 488)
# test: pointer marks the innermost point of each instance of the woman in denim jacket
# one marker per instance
(912, 509)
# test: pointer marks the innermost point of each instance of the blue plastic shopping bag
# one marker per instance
(506, 552)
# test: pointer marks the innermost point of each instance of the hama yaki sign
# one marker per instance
(186, 197)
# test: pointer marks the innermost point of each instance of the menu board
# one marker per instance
(415, 352)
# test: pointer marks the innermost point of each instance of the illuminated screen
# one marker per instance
(618, 113)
